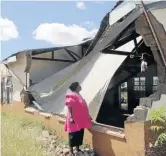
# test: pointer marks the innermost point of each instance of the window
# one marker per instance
(139, 83)
(155, 83)
(123, 97)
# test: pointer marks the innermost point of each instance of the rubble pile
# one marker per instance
(53, 147)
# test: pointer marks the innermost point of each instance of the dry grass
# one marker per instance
(19, 136)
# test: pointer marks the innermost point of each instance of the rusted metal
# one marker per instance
(153, 32)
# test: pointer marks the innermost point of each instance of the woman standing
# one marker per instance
(78, 117)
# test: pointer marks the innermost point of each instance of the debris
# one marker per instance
(53, 148)
(66, 151)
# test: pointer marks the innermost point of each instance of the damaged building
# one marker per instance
(30, 67)
(122, 72)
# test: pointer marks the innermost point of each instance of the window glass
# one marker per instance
(155, 80)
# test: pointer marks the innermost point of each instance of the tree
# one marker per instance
(158, 121)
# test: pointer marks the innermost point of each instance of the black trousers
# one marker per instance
(76, 138)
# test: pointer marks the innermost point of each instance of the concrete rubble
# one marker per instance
(54, 147)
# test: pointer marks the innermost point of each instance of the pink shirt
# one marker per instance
(80, 113)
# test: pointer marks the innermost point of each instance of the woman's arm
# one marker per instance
(70, 114)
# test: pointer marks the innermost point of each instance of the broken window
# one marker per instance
(123, 96)
(155, 83)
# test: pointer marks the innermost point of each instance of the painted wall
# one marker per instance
(160, 16)
(17, 86)
(105, 142)
(3, 71)
(18, 67)
(42, 69)
(158, 104)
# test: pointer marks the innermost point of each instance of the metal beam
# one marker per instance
(136, 45)
(70, 54)
(47, 59)
(82, 51)
(52, 55)
(116, 52)
(45, 50)
(112, 43)
(74, 54)
(125, 40)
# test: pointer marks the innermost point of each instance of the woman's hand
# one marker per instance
(71, 120)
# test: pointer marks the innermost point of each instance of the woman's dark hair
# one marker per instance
(74, 86)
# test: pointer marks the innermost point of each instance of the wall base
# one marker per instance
(105, 140)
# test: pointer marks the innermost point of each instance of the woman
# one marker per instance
(78, 117)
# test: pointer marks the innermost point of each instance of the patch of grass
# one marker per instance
(19, 136)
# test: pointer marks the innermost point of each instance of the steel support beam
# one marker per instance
(116, 52)
(52, 55)
(82, 51)
(136, 45)
(112, 43)
(47, 59)
(72, 53)
(125, 40)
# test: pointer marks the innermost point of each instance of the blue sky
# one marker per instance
(56, 23)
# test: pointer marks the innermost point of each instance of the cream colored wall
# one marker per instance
(3, 69)
(105, 141)
(160, 16)
(18, 67)
(157, 104)
(41, 69)
(17, 86)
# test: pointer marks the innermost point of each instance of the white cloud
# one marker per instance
(89, 24)
(81, 5)
(8, 30)
(61, 35)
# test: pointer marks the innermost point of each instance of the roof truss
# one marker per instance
(50, 59)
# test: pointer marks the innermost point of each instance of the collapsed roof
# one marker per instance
(86, 41)
(98, 67)
(42, 63)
